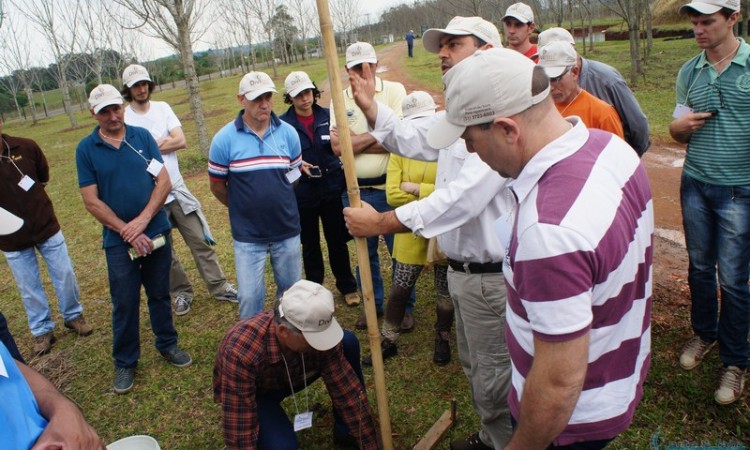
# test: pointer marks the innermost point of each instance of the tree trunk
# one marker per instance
(192, 85)
(635, 58)
(66, 101)
(649, 29)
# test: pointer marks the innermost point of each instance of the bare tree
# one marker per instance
(345, 15)
(263, 11)
(176, 23)
(17, 57)
(304, 15)
(58, 22)
(630, 12)
(241, 17)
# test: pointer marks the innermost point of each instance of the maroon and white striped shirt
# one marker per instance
(579, 260)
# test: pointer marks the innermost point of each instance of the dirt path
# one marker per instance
(663, 163)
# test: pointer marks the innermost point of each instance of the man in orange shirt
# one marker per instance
(560, 62)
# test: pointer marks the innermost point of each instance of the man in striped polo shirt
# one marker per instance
(713, 104)
(579, 282)
(253, 164)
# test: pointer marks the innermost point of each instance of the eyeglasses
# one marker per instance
(559, 77)
(717, 87)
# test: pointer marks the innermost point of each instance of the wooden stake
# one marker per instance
(347, 156)
(438, 430)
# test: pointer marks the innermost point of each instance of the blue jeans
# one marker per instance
(717, 233)
(376, 198)
(125, 279)
(25, 268)
(250, 265)
(276, 432)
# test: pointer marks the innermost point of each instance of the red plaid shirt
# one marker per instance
(249, 362)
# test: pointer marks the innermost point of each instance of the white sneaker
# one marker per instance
(731, 385)
(694, 351)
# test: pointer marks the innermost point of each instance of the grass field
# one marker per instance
(175, 405)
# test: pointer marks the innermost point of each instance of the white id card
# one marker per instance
(302, 421)
(680, 110)
(154, 167)
(26, 183)
(293, 175)
(325, 137)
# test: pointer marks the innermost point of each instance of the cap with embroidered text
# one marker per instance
(487, 85)
(556, 57)
(418, 104)
(309, 307)
(711, 6)
(297, 82)
(521, 12)
(255, 84)
(104, 95)
(360, 53)
(133, 74)
(555, 34)
(462, 26)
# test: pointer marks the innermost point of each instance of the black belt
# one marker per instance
(375, 181)
(470, 267)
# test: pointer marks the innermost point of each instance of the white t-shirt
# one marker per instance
(159, 121)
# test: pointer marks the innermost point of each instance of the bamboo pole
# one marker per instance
(347, 156)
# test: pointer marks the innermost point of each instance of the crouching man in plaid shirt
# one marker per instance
(274, 354)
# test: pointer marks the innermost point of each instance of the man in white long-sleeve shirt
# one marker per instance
(467, 200)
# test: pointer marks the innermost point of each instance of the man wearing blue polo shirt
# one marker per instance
(253, 165)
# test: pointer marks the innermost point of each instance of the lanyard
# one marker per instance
(291, 385)
(11, 159)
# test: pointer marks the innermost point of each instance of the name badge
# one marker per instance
(303, 421)
(26, 183)
(293, 175)
(325, 137)
(680, 110)
(154, 167)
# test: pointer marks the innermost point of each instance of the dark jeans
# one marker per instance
(7, 339)
(125, 279)
(329, 213)
(276, 431)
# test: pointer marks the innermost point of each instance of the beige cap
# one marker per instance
(309, 307)
(521, 12)
(711, 6)
(133, 74)
(104, 95)
(462, 26)
(360, 53)
(297, 82)
(556, 57)
(418, 104)
(255, 84)
(555, 34)
(487, 85)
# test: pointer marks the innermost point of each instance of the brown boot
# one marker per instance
(43, 343)
(79, 325)
(352, 299)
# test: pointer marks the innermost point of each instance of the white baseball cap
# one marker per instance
(487, 85)
(104, 95)
(555, 34)
(360, 53)
(521, 12)
(309, 307)
(462, 26)
(9, 222)
(133, 74)
(255, 84)
(297, 82)
(711, 6)
(418, 104)
(556, 57)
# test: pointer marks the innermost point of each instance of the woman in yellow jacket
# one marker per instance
(409, 180)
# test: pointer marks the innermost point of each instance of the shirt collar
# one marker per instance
(239, 124)
(743, 53)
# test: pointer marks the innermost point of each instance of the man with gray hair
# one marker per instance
(183, 209)
(468, 197)
(579, 287)
(606, 83)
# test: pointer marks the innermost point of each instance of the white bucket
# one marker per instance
(135, 443)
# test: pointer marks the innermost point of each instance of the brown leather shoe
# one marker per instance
(407, 325)
(43, 343)
(79, 325)
(352, 299)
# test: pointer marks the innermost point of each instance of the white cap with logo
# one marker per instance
(556, 57)
(309, 307)
(255, 84)
(487, 85)
(104, 95)
(297, 82)
(711, 6)
(521, 12)
(133, 74)
(555, 34)
(418, 104)
(360, 53)
(462, 26)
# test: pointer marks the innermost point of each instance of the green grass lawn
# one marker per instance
(176, 406)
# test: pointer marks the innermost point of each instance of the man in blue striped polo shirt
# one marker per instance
(253, 164)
